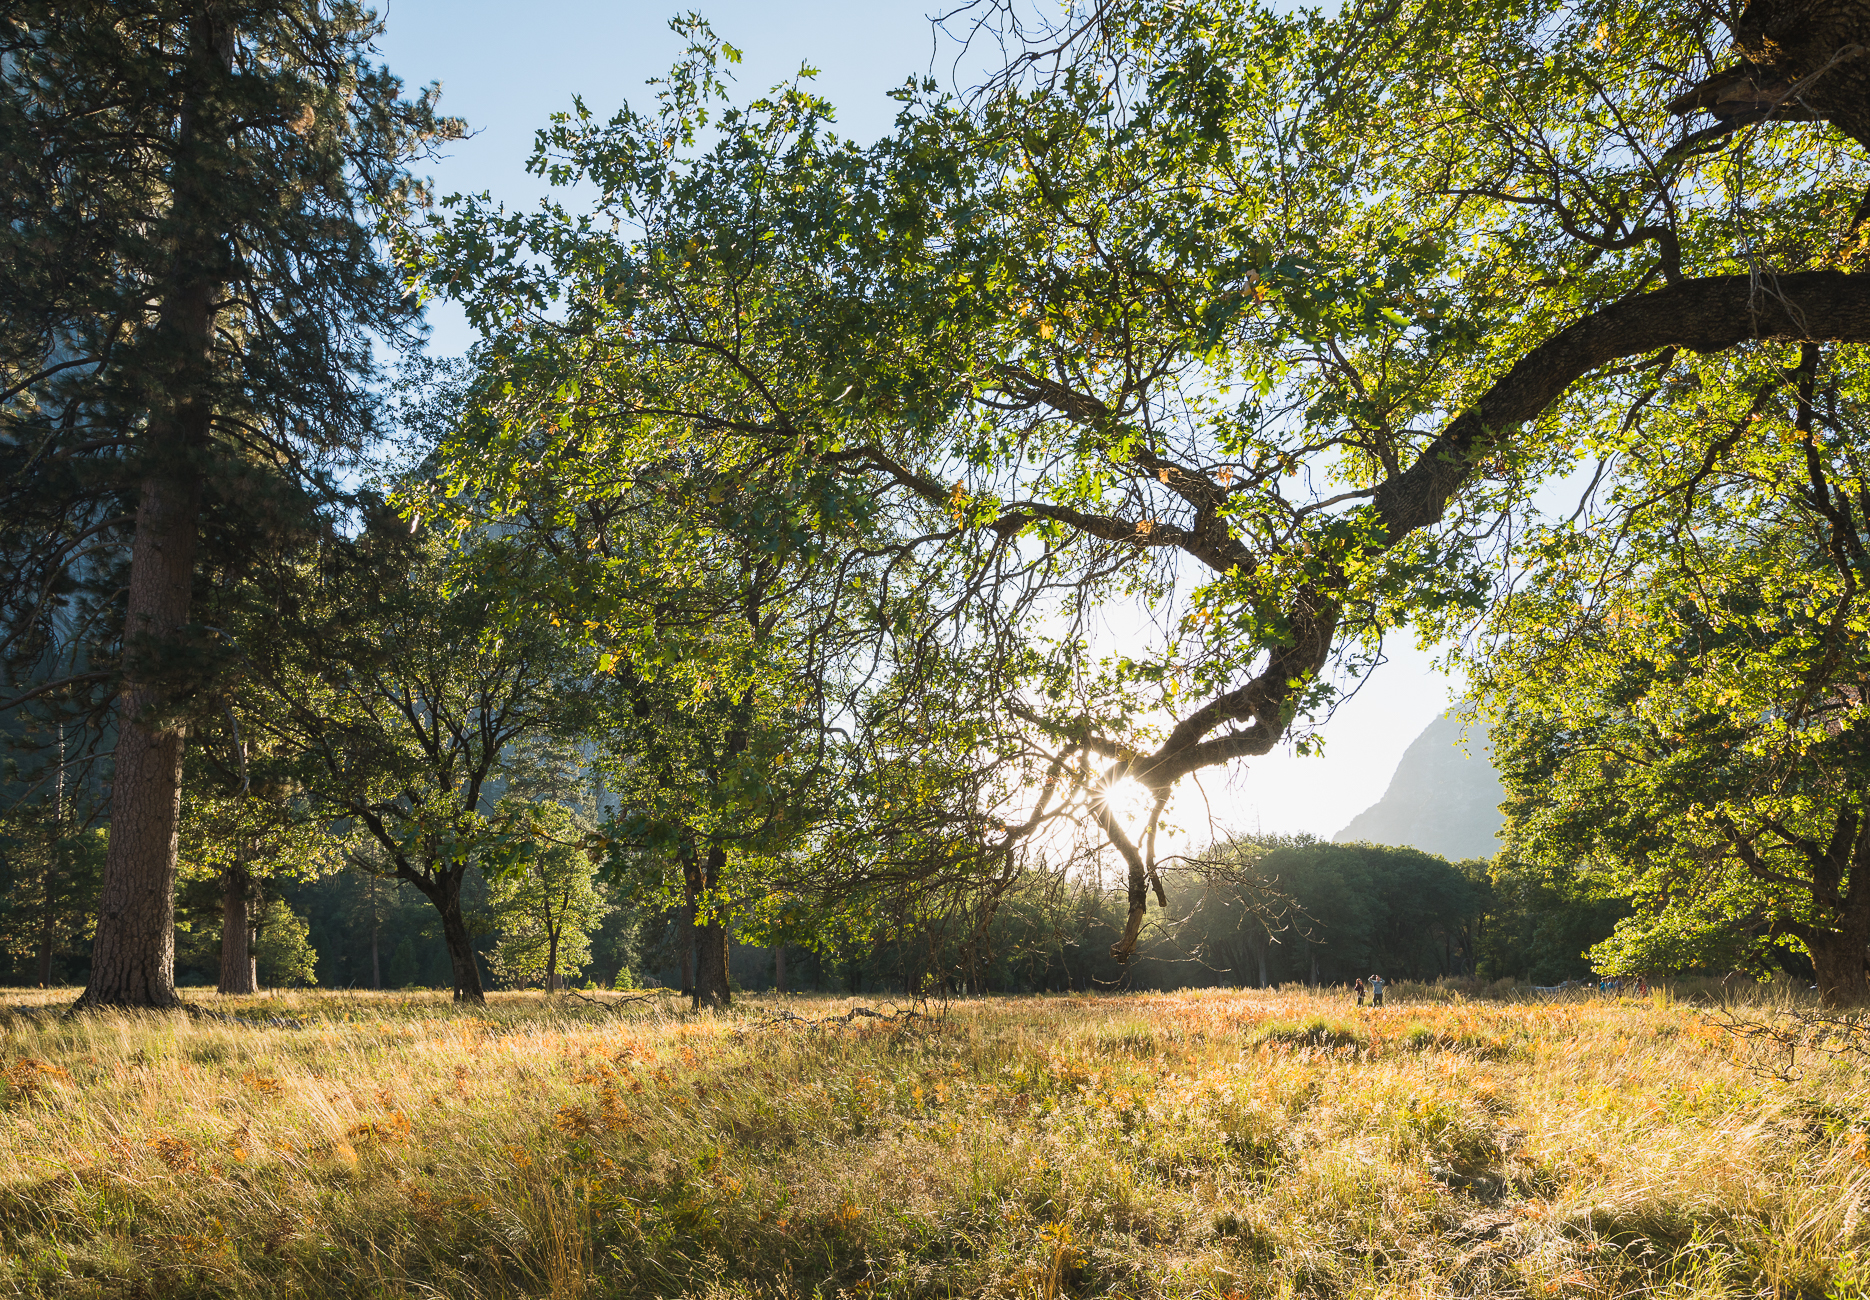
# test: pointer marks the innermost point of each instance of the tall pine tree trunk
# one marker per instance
(133, 955)
(237, 961)
(45, 945)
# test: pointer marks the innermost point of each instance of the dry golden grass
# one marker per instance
(1212, 1144)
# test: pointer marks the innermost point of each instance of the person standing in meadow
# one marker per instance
(1376, 990)
(1360, 992)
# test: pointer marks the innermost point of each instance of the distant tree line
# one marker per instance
(1266, 911)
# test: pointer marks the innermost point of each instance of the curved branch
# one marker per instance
(1706, 315)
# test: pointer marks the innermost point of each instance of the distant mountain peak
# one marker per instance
(1443, 799)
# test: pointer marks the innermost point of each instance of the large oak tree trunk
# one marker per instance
(460, 946)
(1840, 953)
(1838, 960)
(133, 955)
(447, 900)
(443, 889)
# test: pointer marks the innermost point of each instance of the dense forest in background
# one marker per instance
(1307, 913)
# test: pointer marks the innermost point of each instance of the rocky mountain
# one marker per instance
(1443, 799)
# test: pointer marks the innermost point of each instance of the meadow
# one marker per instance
(1219, 1144)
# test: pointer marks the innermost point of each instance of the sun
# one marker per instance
(1131, 801)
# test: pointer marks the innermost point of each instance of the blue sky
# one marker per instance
(506, 68)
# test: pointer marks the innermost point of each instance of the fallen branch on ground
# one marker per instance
(903, 1016)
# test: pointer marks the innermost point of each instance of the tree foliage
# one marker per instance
(1685, 677)
(1271, 324)
(403, 703)
(548, 904)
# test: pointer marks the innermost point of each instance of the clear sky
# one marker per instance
(507, 68)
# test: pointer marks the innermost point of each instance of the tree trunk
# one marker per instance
(45, 947)
(711, 989)
(55, 861)
(461, 955)
(1838, 959)
(551, 963)
(685, 937)
(779, 968)
(237, 960)
(376, 928)
(133, 955)
(445, 893)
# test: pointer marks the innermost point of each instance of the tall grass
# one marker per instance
(1212, 1144)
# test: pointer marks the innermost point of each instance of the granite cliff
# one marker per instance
(1444, 798)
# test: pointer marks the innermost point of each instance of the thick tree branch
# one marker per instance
(1705, 315)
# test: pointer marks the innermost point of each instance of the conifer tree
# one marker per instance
(192, 192)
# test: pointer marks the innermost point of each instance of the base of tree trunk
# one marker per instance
(239, 968)
(711, 986)
(460, 947)
(1842, 980)
(133, 951)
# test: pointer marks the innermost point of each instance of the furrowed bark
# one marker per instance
(1840, 950)
(133, 955)
(1838, 961)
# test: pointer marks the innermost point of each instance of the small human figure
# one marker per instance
(1376, 990)
(1360, 992)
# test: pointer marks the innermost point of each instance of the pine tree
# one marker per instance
(192, 191)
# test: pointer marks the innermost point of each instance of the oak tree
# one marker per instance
(1272, 325)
